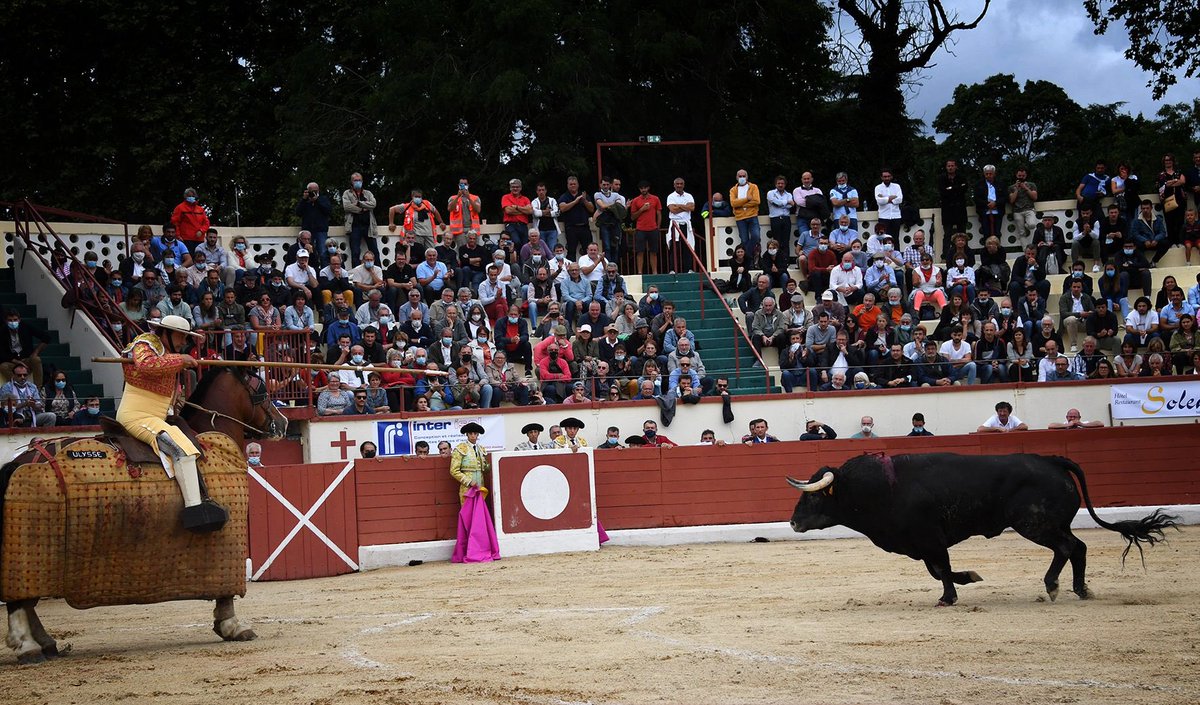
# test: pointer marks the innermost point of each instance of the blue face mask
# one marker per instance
(918, 429)
(331, 248)
(417, 200)
(357, 184)
(369, 265)
(190, 199)
(356, 359)
(421, 360)
(254, 460)
(481, 338)
(513, 319)
(168, 261)
(385, 320)
(1110, 272)
(14, 325)
(91, 264)
(60, 384)
(240, 247)
(94, 410)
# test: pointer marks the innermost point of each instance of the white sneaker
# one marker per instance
(1095, 267)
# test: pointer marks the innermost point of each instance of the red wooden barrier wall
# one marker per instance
(400, 500)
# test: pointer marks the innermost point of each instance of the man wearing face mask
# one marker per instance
(1130, 262)
(512, 336)
(745, 199)
(215, 256)
(545, 215)
(169, 246)
(18, 347)
(359, 206)
(190, 220)
(24, 399)
(354, 378)
(866, 428)
(418, 217)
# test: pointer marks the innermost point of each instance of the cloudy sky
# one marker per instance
(1050, 40)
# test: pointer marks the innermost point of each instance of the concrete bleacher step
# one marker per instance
(56, 355)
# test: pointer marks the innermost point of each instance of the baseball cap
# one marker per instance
(585, 327)
(827, 296)
(301, 253)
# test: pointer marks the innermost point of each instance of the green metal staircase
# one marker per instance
(57, 355)
(714, 330)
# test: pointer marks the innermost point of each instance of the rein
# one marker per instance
(215, 414)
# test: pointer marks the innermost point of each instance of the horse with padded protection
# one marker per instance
(225, 401)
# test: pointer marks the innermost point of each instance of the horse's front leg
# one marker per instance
(20, 633)
(226, 625)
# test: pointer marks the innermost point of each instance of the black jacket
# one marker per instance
(26, 333)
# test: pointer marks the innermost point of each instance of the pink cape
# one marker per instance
(476, 535)
(600, 530)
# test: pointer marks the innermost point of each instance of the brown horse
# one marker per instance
(226, 401)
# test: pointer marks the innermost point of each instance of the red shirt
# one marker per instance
(649, 219)
(518, 200)
(190, 221)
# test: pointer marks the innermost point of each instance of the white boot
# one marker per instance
(188, 477)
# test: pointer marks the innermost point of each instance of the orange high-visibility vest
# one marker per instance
(456, 224)
(410, 214)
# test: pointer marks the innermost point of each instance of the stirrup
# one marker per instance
(203, 518)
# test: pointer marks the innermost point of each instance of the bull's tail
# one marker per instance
(1147, 530)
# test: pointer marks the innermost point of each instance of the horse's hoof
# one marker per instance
(244, 635)
(51, 652)
(1084, 593)
(1053, 594)
(33, 657)
(975, 577)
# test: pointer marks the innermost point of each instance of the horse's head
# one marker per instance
(236, 404)
(264, 416)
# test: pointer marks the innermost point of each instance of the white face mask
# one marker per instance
(867, 428)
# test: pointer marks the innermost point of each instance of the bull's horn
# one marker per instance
(825, 481)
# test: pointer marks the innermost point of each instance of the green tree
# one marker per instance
(1162, 36)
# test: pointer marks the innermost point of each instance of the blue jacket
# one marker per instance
(1143, 232)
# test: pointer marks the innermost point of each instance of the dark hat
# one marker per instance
(532, 427)
(571, 422)
(635, 441)
(641, 323)
(472, 428)
(918, 416)
(268, 256)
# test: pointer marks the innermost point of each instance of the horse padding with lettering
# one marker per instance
(97, 531)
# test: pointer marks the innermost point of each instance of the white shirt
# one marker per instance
(952, 354)
(994, 422)
(778, 204)
(889, 211)
(1046, 367)
(301, 275)
(552, 266)
(840, 277)
(1077, 304)
(596, 274)
(683, 199)
(1141, 323)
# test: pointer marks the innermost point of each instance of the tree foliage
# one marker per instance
(1039, 126)
(270, 95)
(1162, 36)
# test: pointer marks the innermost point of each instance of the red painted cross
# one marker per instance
(342, 443)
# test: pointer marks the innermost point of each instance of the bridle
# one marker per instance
(258, 398)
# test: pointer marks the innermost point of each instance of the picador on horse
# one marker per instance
(151, 390)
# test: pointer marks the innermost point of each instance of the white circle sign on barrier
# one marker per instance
(545, 492)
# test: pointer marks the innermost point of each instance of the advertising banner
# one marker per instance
(1156, 400)
(401, 437)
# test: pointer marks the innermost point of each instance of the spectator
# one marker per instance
(1046, 362)
(369, 312)
(918, 426)
(888, 199)
(89, 415)
(190, 220)
(298, 316)
(895, 370)
(1191, 229)
(758, 433)
(358, 406)
(745, 199)
(22, 399)
(612, 439)
(1074, 421)
(879, 278)
(927, 283)
(1062, 371)
(653, 438)
(1142, 324)
(554, 371)
(1002, 421)
(816, 431)
(933, 369)
(768, 330)
(359, 206)
(1114, 289)
(867, 428)
(836, 383)
(847, 281)
(377, 398)
(334, 280)
(18, 347)
(991, 356)
(415, 329)
(960, 279)
(432, 275)
(774, 264)
(1171, 315)
(62, 400)
(1184, 343)
(1130, 262)
(1156, 366)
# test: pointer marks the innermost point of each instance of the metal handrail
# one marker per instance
(53, 242)
(737, 367)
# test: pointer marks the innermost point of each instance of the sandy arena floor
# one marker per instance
(791, 622)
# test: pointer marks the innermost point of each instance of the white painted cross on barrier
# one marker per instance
(304, 520)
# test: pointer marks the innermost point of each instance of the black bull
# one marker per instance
(921, 505)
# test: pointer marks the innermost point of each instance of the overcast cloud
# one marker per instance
(1049, 40)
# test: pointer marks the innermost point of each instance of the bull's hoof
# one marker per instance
(31, 658)
(974, 577)
(1084, 593)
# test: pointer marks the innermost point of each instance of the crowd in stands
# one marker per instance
(546, 295)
